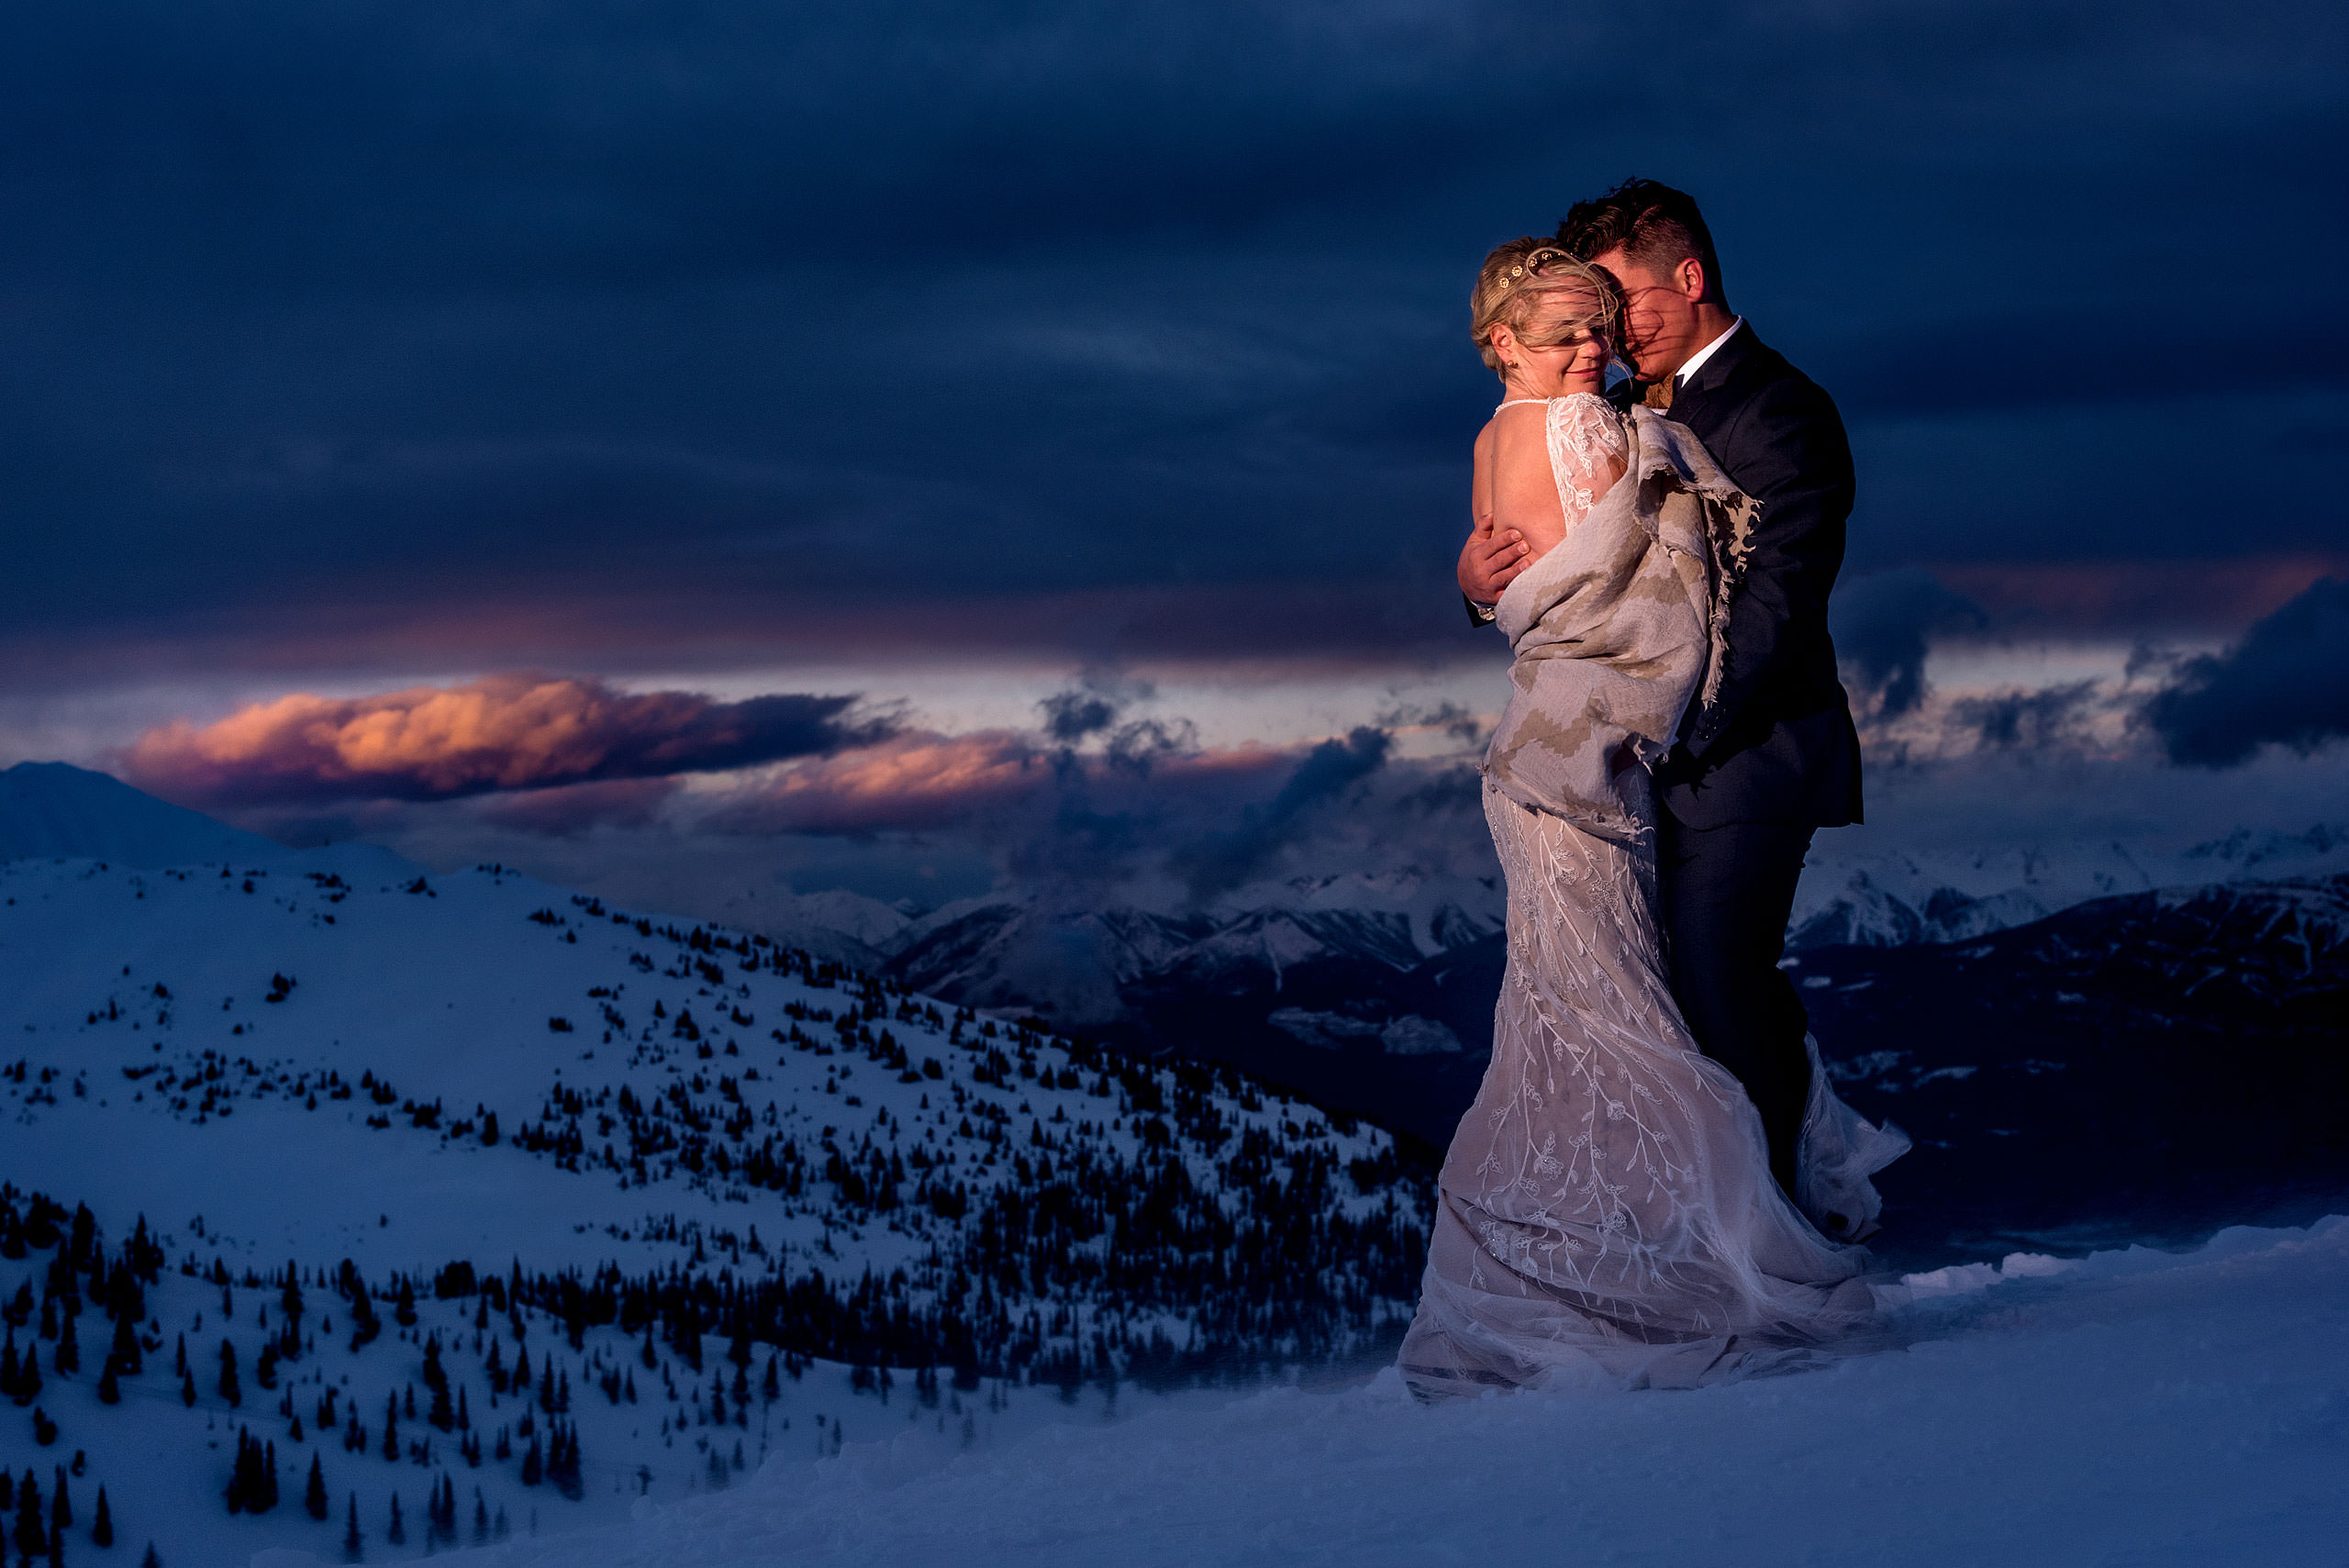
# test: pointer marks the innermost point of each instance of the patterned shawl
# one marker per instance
(1616, 630)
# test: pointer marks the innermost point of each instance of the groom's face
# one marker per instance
(1660, 324)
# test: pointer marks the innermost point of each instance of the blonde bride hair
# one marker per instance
(1528, 278)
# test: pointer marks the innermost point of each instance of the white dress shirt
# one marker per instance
(1696, 360)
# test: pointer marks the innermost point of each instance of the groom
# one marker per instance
(1776, 757)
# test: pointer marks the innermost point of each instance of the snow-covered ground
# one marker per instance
(215, 1052)
(678, 1170)
(2132, 1407)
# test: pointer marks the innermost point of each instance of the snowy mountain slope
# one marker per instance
(54, 808)
(1082, 964)
(1886, 900)
(2134, 1406)
(2161, 1061)
(1069, 964)
(655, 1142)
(1347, 988)
(57, 811)
(844, 927)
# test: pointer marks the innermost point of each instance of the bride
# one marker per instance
(1607, 1216)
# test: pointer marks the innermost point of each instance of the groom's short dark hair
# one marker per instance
(1659, 226)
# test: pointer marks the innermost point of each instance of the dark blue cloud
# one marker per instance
(1884, 627)
(388, 310)
(2286, 683)
(1226, 860)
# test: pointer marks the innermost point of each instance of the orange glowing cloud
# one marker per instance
(507, 732)
(907, 781)
(916, 780)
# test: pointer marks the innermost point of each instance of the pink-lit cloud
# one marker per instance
(906, 781)
(505, 733)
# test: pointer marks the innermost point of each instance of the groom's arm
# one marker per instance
(1788, 451)
(1487, 565)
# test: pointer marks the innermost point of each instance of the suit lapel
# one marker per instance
(1688, 403)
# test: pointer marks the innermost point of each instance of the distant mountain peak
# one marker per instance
(57, 811)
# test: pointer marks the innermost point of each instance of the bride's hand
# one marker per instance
(1489, 563)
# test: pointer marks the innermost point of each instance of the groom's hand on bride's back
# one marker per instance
(1490, 562)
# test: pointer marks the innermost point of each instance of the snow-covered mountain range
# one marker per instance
(1890, 898)
(302, 1162)
(2148, 1062)
(1374, 993)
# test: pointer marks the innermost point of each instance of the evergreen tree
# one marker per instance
(150, 1560)
(533, 1466)
(102, 1522)
(442, 1415)
(68, 1358)
(187, 1388)
(245, 1486)
(397, 1533)
(109, 1390)
(32, 1538)
(60, 1503)
(314, 1495)
(125, 1355)
(179, 1359)
(28, 1387)
(290, 1307)
(392, 1427)
(563, 1469)
(404, 1305)
(350, 1536)
(231, 1389)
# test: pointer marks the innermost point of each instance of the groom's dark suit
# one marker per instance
(1776, 757)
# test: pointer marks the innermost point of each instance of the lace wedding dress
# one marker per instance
(1606, 1216)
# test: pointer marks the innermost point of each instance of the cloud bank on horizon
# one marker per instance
(507, 732)
(1110, 790)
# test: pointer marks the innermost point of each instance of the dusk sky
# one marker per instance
(920, 448)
